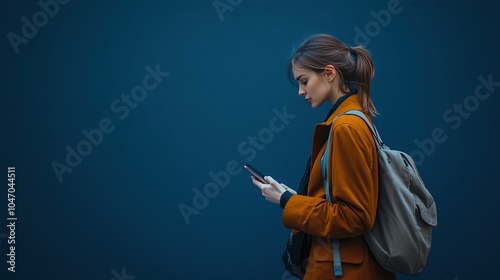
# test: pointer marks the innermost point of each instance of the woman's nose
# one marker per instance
(302, 92)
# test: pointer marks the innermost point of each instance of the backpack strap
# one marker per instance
(337, 263)
(378, 141)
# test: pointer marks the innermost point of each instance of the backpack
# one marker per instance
(401, 237)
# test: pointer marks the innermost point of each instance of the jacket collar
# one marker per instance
(351, 103)
(322, 130)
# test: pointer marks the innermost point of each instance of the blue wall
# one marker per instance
(205, 82)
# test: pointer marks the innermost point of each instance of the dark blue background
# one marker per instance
(119, 207)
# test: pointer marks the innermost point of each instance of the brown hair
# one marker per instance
(354, 65)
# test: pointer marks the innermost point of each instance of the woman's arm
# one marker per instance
(353, 179)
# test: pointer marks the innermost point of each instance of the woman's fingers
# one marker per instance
(272, 192)
(258, 183)
(274, 183)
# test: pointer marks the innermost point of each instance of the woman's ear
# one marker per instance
(330, 73)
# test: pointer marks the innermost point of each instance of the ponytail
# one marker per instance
(363, 72)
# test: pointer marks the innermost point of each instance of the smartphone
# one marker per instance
(255, 173)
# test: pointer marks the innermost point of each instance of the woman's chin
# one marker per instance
(315, 105)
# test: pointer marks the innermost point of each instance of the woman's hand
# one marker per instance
(272, 192)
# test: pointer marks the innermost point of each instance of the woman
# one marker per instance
(328, 71)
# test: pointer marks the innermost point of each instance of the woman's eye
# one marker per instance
(304, 82)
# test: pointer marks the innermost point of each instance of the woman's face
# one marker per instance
(314, 87)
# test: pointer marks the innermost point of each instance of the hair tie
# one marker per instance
(353, 55)
(352, 83)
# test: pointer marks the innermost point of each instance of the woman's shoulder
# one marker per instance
(351, 124)
(352, 120)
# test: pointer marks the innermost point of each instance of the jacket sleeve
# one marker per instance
(354, 190)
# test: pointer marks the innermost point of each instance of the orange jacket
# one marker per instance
(353, 179)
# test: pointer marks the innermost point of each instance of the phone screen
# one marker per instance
(255, 173)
